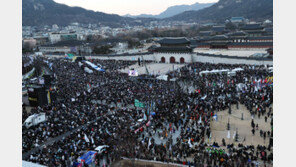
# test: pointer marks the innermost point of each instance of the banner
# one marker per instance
(48, 97)
(149, 143)
(29, 74)
(139, 104)
(88, 157)
(86, 138)
(148, 123)
(133, 73)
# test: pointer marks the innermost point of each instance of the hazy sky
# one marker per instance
(133, 7)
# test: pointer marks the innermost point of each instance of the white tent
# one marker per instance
(88, 70)
(162, 77)
(231, 73)
(224, 70)
(204, 72)
(237, 69)
(214, 71)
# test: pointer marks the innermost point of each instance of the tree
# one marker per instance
(133, 43)
(89, 38)
(230, 26)
(102, 49)
(27, 48)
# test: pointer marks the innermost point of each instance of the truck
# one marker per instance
(35, 119)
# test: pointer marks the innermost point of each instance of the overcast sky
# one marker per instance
(133, 7)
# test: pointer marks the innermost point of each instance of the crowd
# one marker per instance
(177, 111)
(26, 64)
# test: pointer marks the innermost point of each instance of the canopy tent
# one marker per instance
(204, 72)
(162, 77)
(214, 72)
(232, 73)
(237, 69)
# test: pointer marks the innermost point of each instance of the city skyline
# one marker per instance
(132, 7)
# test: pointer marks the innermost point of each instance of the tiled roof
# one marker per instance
(205, 33)
(173, 49)
(181, 40)
(219, 37)
(218, 28)
(252, 27)
(238, 33)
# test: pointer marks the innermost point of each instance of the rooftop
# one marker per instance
(237, 33)
(219, 37)
(174, 40)
(252, 27)
(218, 28)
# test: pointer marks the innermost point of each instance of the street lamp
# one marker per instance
(228, 125)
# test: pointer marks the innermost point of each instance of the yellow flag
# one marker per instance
(48, 98)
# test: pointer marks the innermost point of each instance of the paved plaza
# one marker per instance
(219, 127)
(154, 68)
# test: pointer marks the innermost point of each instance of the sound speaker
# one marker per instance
(37, 96)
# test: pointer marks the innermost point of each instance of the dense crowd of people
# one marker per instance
(26, 64)
(85, 107)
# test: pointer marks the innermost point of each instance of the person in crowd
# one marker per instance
(93, 109)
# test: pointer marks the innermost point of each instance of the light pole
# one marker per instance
(228, 125)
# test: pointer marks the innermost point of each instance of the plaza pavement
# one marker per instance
(154, 68)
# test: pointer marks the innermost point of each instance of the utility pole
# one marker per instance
(228, 125)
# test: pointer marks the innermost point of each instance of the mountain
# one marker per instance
(48, 12)
(174, 10)
(224, 9)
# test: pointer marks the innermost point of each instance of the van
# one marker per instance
(35, 119)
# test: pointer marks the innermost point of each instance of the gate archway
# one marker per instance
(182, 60)
(172, 60)
(163, 59)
